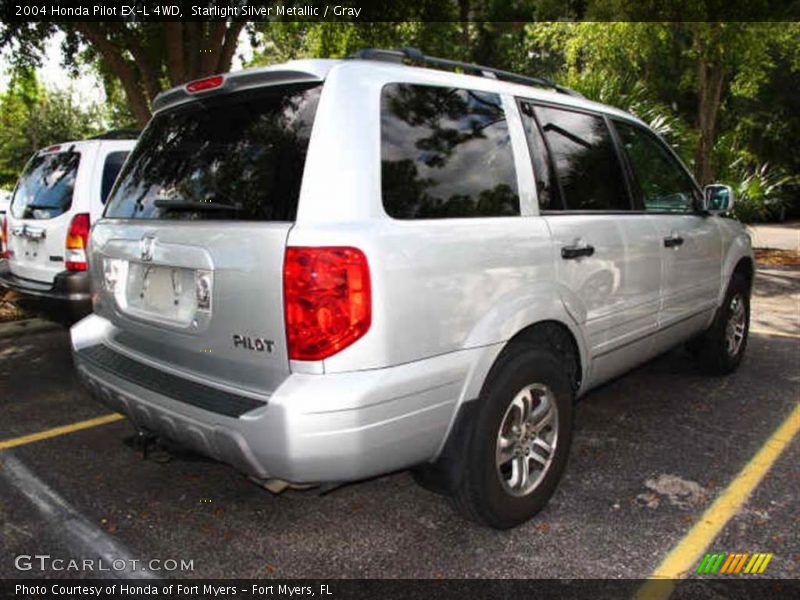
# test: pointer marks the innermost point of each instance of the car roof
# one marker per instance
(311, 70)
(535, 93)
(79, 145)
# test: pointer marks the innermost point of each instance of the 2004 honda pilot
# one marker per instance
(331, 269)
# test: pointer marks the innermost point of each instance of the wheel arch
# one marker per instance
(522, 318)
(746, 269)
(560, 334)
(561, 338)
(738, 260)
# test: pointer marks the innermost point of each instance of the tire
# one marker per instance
(428, 479)
(496, 495)
(716, 351)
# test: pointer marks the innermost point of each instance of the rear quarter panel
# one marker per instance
(439, 285)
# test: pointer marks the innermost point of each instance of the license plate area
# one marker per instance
(160, 293)
(31, 248)
(24, 244)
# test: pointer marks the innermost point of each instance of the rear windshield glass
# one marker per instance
(45, 188)
(240, 157)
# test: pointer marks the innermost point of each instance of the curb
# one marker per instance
(26, 327)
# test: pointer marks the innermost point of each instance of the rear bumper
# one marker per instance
(70, 292)
(313, 428)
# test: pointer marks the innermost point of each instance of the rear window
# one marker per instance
(445, 152)
(44, 190)
(239, 156)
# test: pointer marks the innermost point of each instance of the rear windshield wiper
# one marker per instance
(189, 205)
(41, 206)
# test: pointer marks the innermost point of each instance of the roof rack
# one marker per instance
(413, 55)
(118, 134)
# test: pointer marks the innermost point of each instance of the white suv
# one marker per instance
(331, 269)
(60, 193)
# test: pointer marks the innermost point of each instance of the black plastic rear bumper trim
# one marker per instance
(177, 388)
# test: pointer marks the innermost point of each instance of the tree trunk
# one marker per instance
(229, 46)
(213, 48)
(193, 50)
(149, 73)
(173, 31)
(463, 15)
(193, 33)
(710, 80)
(120, 67)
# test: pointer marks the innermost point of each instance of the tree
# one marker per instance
(483, 31)
(33, 117)
(144, 57)
(696, 67)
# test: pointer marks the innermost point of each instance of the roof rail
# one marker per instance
(413, 55)
(118, 134)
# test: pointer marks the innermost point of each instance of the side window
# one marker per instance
(445, 153)
(585, 159)
(113, 164)
(664, 184)
(546, 186)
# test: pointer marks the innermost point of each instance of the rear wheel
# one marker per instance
(720, 349)
(520, 442)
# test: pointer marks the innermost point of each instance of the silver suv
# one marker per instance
(327, 270)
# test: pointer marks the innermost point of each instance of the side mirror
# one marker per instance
(718, 198)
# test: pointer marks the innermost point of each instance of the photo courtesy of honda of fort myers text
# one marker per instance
(133, 589)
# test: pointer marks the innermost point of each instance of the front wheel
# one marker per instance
(521, 438)
(720, 349)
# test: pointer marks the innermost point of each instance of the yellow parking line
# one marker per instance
(683, 558)
(761, 331)
(56, 431)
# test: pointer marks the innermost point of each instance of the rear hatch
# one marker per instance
(187, 261)
(40, 213)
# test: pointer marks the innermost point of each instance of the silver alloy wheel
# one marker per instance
(734, 328)
(526, 442)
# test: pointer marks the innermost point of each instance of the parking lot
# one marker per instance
(651, 453)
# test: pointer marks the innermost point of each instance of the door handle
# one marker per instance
(571, 252)
(673, 241)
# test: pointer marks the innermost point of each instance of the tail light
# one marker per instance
(77, 241)
(327, 300)
(4, 238)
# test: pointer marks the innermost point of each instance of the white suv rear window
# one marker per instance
(45, 188)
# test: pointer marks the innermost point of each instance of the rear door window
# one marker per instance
(546, 185)
(238, 156)
(586, 161)
(445, 153)
(111, 168)
(45, 188)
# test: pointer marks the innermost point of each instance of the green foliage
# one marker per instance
(32, 117)
(760, 193)
(723, 94)
(281, 41)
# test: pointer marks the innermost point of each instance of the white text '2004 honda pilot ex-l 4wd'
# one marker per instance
(331, 269)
